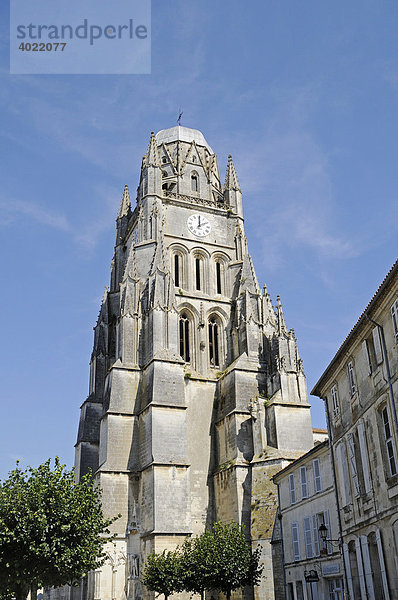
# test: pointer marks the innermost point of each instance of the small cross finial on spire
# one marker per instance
(180, 113)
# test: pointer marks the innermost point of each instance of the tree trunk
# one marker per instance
(33, 590)
(21, 591)
(202, 595)
(229, 595)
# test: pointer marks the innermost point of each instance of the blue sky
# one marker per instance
(304, 95)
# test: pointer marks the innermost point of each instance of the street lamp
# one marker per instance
(323, 532)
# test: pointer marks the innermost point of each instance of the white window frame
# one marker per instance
(389, 441)
(394, 316)
(316, 466)
(335, 400)
(292, 489)
(351, 378)
(304, 482)
(295, 541)
(335, 589)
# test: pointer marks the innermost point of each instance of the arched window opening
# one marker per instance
(164, 174)
(194, 183)
(218, 278)
(164, 159)
(184, 337)
(198, 278)
(150, 228)
(214, 343)
(176, 270)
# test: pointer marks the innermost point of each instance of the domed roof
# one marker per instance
(183, 134)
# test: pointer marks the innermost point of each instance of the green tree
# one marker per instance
(197, 563)
(52, 529)
(162, 573)
(233, 564)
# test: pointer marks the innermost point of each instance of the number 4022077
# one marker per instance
(42, 46)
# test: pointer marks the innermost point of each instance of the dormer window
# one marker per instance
(194, 183)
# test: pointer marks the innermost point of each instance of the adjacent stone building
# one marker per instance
(307, 501)
(360, 389)
(197, 391)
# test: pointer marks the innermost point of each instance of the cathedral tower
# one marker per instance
(197, 392)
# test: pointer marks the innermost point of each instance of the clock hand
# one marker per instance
(199, 225)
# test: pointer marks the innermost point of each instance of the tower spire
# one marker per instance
(280, 316)
(152, 156)
(231, 179)
(125, 204)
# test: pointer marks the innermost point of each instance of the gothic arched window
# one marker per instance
(214, 350)
(184, 337)
(218, 277)
(177, 269)
(198, 273)
(194, 182)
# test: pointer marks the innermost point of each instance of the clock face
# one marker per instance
(199, 225)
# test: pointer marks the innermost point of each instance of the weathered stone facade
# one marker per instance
(306, 501)
(360, 389)
(197, 392)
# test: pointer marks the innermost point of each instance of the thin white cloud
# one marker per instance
(285, 175)
(13, 207)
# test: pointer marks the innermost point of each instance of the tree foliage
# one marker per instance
(220, 559)
(233, 564)
(52, 529)
(197, 564)
(163, 574)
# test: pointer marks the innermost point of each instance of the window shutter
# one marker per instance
(326, 520)
(335, 400)
(367, 567)
(295, 542)
(304, 483)
(394, 316)
(377, 345)
(351, 378)
(309, 551)
(292, 488)
(353, 463)
(317, 475)
(361, 575)
(314, 590)
(366, 356)
(348, 570)
(343, 476)
(382, 565)
(315, 534)
(364, 457)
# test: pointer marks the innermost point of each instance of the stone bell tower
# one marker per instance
(197, 393)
